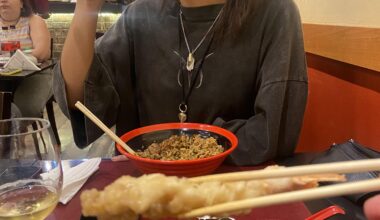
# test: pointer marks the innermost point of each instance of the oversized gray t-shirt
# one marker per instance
(255, 85)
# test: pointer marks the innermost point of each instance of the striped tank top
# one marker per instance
(19, 32)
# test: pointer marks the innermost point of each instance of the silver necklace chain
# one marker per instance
(190, 58)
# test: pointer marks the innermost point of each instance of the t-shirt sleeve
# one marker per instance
(112, 57)
(280, 102)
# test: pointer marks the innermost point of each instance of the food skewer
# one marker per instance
(295, 196)
(223, 193)
(183, 198)
(102, 126)
(336, 167)
(301, 195)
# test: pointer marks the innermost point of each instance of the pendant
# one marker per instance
(182, 117)
(190, 62)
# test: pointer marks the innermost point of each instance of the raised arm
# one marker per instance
(78, 49)
(40, 37)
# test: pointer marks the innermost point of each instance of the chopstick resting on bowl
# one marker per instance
(102, 126)
(295, 196)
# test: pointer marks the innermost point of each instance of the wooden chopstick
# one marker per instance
(102, 126)
(295, 196)
(336, 167)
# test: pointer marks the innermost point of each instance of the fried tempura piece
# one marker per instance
(157, 196)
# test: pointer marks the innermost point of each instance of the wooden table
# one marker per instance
(109, 171)
(8, 85)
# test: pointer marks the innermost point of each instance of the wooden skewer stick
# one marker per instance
(102, 126)
(336, 167)
(295, 196)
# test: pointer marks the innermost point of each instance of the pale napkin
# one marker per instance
(23, 61)
(75, 177)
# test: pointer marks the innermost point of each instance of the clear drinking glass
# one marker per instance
(30, 169)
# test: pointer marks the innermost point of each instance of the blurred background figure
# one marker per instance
(41, 7)
(19, 23)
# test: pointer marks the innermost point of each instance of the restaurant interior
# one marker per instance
(343, 65)
(342, 44)
(343, 62)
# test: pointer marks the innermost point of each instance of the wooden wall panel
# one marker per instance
(343, 103)
(354, 45)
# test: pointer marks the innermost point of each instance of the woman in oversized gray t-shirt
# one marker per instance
(242, 60)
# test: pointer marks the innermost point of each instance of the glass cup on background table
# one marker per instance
(10, 47)
(30, 169)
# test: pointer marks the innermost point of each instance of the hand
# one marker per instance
(372, 208)
(119, 158)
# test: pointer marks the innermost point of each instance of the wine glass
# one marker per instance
(30, 169)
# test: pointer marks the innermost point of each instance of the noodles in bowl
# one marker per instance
(183, 147)
(194, 165)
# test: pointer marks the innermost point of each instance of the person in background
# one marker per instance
(237, 64)
(18, 23)
(372, 208)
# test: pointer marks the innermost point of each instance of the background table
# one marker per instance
(109, 171)
(8, 85)
(26, 73)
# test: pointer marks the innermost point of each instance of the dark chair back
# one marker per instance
(49, 103)
(98, 34)
(51, 48)
(5, 105)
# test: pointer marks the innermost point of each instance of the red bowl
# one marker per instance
(144, 136)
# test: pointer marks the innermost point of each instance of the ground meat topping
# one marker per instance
(182, 147)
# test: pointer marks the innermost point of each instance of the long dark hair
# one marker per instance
(233, 18)
(26, 9)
